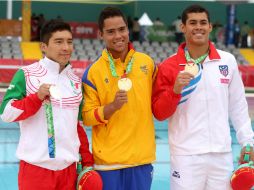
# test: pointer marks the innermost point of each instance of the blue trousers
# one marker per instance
(133, 178)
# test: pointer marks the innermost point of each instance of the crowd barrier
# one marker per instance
(247, 73)
(9, 66)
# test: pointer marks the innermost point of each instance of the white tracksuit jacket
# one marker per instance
(199, 121)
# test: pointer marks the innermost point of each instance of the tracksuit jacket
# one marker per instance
(128, 138)
(199, 116)
(22, 104)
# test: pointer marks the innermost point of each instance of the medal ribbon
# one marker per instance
(113, 68)
(196, 61)
(51, 131)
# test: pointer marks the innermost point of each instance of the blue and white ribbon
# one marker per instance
(189, 89)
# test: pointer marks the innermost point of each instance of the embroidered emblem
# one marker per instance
(176, 174)
(144, 69)
(75, 87)
(223, 70)
(224, 81)
(106, 80)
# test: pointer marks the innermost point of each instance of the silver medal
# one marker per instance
(55, 92)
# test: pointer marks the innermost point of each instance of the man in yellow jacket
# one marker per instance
(118, 88)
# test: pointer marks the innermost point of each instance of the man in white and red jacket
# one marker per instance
(199, 103)
(44, 98)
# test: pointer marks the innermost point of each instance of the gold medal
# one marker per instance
(124, 84)
(191, 68)
(55, 92)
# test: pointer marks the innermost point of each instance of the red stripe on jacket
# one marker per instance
(87, 157)
(30, 105)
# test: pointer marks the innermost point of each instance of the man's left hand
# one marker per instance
(243, 152)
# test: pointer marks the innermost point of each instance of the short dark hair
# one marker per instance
(194, 9)
(109, 12)
(52, 26)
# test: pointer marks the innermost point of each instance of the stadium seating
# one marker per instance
(90, 49)
(10, 48)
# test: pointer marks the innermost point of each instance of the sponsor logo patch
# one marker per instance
(176, 174)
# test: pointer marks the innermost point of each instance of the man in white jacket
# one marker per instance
(199, 89)
(44, 98)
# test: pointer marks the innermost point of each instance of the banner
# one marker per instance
(10, 27)
(8, 67)
(84, 29)
(247, 74)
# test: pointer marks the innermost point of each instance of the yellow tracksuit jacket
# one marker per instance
(127, 138)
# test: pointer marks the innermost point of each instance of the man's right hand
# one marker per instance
(120, 99)
(43, 91)
(182, 80)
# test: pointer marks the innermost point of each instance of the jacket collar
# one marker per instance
(213, 53)
(53, 66)
(127, 58)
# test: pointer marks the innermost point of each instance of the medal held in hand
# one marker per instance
(55, 92)
(192, 64)
(191, 68)
(124, 84)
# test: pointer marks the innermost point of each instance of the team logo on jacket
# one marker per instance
(75, 87)
(223, 70)
(144, 69)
